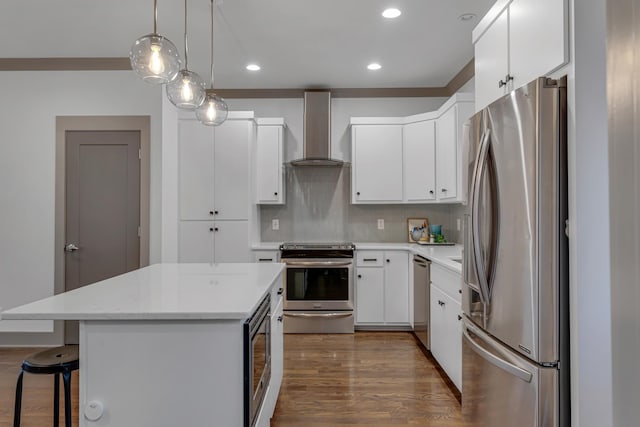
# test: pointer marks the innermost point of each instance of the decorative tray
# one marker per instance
(421, 242)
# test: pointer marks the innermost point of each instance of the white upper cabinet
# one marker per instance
(420, 161)
(415, 159)
(377, 163)
(195, 168)
(214, 170)
(492, 61)
(269, 164)
(538, 38)
(446, 154)
(516, 42)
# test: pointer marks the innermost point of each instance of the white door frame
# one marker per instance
(99, 123)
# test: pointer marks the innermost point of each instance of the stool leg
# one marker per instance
(56, 400)
(66, 376)
(18, 407)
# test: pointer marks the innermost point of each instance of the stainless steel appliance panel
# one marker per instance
(257, 360)
(514, 202)
(502, 388)
(318, 284)
(421, 290)
(318, 322)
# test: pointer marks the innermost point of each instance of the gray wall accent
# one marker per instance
(319, 209)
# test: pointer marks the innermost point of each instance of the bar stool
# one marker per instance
(58, 360)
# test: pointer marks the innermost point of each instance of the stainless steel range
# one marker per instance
(318, 294)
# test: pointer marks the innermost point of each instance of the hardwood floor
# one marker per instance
(368, 378)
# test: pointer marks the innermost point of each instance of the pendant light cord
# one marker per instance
(155, 16)
(186, 45)
(212, 6)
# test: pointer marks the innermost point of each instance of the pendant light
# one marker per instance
(153, 57)
(186, 90)
(213, 111)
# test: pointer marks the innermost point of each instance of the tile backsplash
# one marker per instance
(319, 209)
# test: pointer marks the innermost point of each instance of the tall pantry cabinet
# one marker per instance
(213, 191)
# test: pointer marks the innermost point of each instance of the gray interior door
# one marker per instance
(102, 208)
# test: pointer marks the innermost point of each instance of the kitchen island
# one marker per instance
(165, 345)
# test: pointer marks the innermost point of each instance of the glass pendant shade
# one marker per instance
(186, 90)
(155, 59)
(213, 111)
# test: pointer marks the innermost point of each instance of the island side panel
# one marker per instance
(162, 373)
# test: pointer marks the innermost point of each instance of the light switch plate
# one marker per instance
(275, 224)
(381, 224)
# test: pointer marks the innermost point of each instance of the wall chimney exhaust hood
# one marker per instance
(317, 131)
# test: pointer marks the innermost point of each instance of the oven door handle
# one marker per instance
(324, 315)
(318, 263)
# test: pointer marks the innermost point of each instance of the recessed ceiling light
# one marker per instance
(391, 13)
(374, 66)
(253, 67)
(466, 17)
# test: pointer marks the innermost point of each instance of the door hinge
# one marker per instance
(139, 231)
(140, 154)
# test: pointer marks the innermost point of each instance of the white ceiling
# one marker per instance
(298, 43)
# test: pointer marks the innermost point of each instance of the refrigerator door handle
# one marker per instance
(475, 217)
(496, 361)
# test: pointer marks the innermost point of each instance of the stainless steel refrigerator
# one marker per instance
(515, 294)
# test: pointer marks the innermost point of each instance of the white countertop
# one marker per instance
(162, 291)
(439, 254)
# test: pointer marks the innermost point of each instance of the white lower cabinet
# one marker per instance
(446, 329)
(382, 288)
(213, 241)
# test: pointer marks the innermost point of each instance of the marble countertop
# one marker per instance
(162, 291)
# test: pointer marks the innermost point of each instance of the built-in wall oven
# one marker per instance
(318, 294)
(257, 360)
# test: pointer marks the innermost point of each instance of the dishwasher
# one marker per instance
(421, 282)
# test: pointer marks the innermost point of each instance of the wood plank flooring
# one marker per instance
(368, 378)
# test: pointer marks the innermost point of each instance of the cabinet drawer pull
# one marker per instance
(370, 259)
(265, 259)
(441, 302)
(444, 190)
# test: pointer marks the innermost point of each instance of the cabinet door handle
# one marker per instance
(357, 193)
(459, 317)
(279, 318)
(211, 229)
(216, 229)
(359, 276)
(275, 193)
(280, 291)
(215, 212)
(444, 190)
(441, 303)
(506, 80)
(459, 291)
(430, 191)
(388, 260)
(210, 212)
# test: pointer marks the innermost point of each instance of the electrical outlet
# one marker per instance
(458, 223)
(381, 224)
(275, 224)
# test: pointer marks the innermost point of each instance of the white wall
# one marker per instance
(590, 284)
(30, 103)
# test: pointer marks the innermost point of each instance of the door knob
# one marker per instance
(71, 248)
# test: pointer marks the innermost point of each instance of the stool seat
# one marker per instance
(57, 361)
(53, 357)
